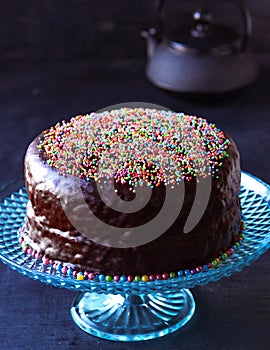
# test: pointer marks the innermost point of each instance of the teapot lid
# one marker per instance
(204, 36)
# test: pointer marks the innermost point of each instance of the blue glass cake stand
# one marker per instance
(131, 311)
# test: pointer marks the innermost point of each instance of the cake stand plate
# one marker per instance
(131, 311)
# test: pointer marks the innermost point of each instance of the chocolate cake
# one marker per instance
(101, 163)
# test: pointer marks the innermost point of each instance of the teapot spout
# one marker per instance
(151, 41)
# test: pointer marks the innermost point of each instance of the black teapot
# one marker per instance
(206, 58)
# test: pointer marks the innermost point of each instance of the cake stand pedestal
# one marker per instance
(132, 311)
(132, 316)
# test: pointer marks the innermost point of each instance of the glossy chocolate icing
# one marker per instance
(50, 232)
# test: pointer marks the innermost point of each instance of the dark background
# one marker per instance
(60, 58)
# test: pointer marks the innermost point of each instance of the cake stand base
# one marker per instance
(132, 317)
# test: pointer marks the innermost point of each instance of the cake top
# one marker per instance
(135, 145)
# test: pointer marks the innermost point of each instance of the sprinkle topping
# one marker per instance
(134, 146)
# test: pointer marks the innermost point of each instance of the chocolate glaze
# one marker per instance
(51, 233)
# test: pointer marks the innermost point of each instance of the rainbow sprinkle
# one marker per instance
(135, 145)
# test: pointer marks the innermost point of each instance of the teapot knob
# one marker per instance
(202, 19)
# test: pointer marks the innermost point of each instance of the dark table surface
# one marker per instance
(233, 313)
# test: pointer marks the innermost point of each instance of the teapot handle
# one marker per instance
(247, 24)
(247, 21)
